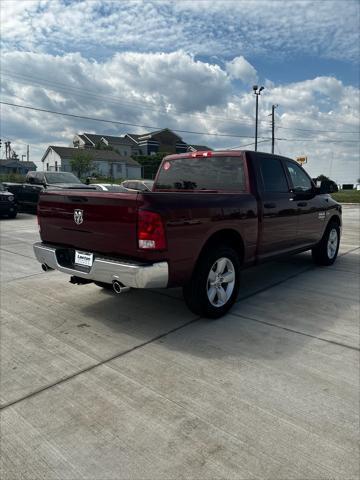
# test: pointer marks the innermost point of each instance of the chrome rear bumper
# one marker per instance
(130, 274)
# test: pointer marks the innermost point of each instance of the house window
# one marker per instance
(56, 166)
(47, 167)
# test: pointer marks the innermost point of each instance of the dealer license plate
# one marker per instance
(83, 258)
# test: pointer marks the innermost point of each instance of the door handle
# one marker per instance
(302, 204)
(270, 205)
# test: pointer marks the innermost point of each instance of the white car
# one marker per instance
(138, 185)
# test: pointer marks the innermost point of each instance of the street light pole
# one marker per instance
(273, 127)
(257, 92)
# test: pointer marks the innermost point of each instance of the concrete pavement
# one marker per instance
(98, 386)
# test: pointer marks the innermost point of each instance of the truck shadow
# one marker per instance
(277, 317)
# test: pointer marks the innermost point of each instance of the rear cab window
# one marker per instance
(201, 174)
(273, 175)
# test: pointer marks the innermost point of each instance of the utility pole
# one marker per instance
(273, 127)
(7, 150)
(27, 153)
(257, 92)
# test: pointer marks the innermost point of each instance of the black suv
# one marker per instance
(8, 205)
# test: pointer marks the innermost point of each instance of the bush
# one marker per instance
(12, 177)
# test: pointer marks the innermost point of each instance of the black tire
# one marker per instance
(326, 250)
(12, 215)
(197, 291)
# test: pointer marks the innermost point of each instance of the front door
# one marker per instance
(279, 223)
(310, 216)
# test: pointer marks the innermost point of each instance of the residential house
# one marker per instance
(16, 166)
(159, 141)
(123, 146)
(107, 163)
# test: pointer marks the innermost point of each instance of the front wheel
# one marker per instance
(215, 282)
(326, 251)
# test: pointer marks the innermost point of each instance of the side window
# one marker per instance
(299, 178)
(39, 178)
(273, 175)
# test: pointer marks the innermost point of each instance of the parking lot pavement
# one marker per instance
(134, 386)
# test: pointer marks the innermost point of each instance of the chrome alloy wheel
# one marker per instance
(332, 243)
(220, 282)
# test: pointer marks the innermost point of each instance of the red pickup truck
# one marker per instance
(210, 214)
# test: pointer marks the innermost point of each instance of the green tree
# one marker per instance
(322, 177)
(81, 163)
(150, 163)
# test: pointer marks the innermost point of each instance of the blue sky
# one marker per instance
(187, 65)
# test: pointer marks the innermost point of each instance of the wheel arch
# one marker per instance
(227, 236)
(334, 219)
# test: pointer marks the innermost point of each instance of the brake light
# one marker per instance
(37, 217)
(202, 154)
(151, 232)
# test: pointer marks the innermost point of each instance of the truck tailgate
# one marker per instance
(101, 222)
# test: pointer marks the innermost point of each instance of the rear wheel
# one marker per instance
(326, 251)
(12, 215)
(215, 283)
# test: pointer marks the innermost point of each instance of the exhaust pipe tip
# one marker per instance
(45, 267)
(118, 287)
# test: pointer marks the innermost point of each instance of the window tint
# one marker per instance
(299, 178)
(273, 175)
(203, 173)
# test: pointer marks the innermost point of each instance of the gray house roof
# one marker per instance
(96, 155)
(136, 138)
(94, 139)
(12, 163)
(198, 148)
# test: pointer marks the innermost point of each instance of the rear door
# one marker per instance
(279, 220)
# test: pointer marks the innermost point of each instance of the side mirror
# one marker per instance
(326, 186)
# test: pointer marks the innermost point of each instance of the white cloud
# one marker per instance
(239, 68)
(177, 91)
(280, 28)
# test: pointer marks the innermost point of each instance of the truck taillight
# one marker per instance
(151, 233)
(37, 217)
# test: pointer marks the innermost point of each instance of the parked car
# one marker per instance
(138, 185)
(27, 194)
(8, 204)
(210, 214)
(109, 187)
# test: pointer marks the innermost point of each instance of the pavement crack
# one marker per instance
(95, 365)
(17, 253)
(158, 337)
(292, 330)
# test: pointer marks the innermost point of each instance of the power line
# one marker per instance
(315, 140)
(115, 100)
(246, 144)
(314, 130)
(116, 122)
(138, 105)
